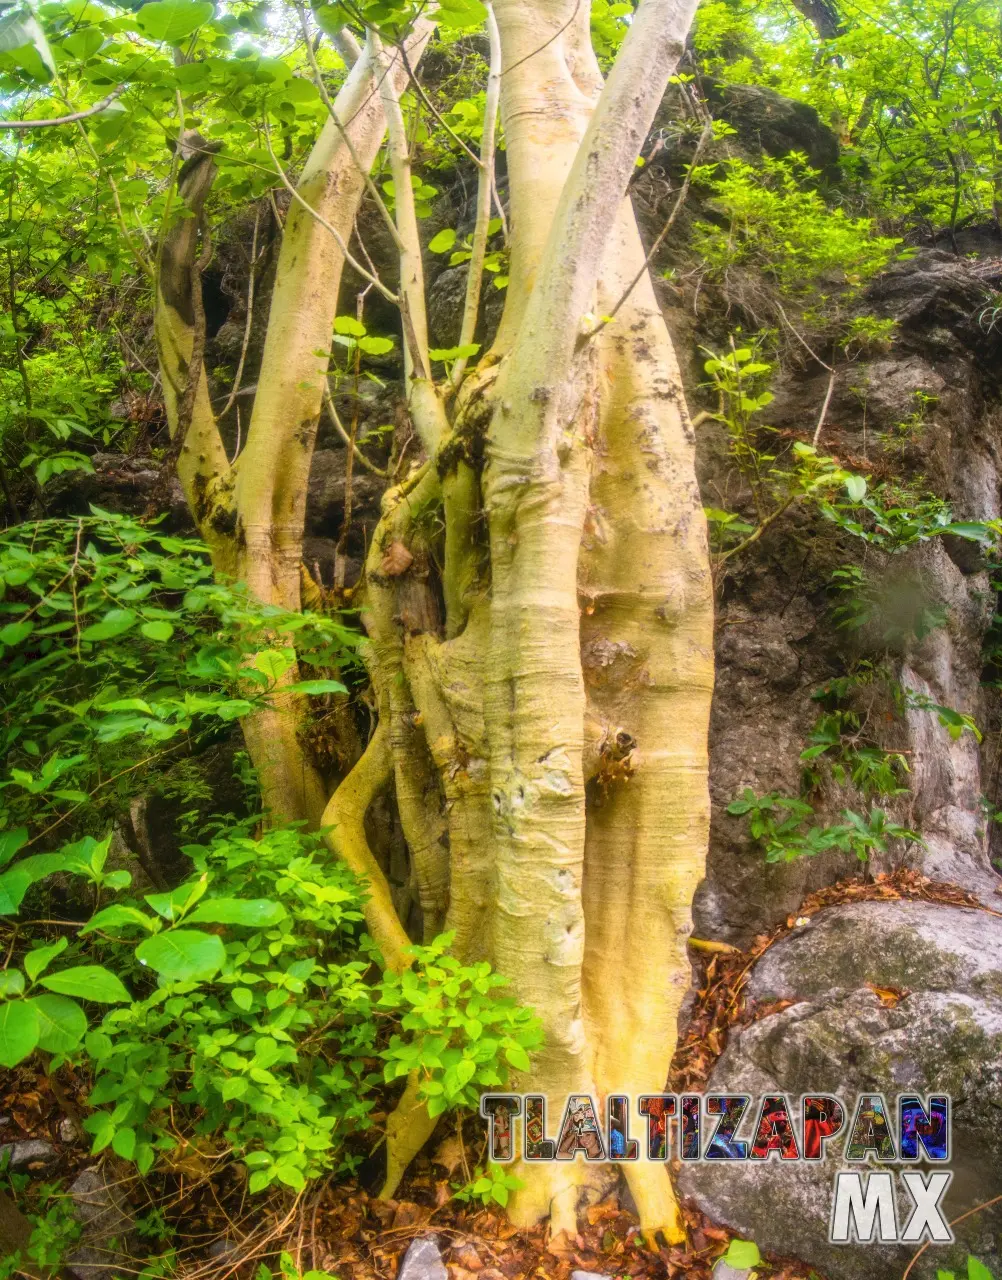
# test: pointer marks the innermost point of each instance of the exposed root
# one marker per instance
(344, 831)
(407, 1130)
(551, 1190)
(652, 1191)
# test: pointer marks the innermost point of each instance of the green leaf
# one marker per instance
(36, 961)
(272, 663)
(254, 913)
(973, 531)
(374, 346)
(89, 982)
(742, 1255)
(318, 687)
(183, 954)
(62, 1024)
(116, 621)
(517, 1057)
(10, 842)
(114, 916)
(855, 487)
(14, 632)
(454, 353)
(977, 1270)
(20, 31)
(242, 998)
(443, 242)
(11, 983)
(18, 1032)
(173, 905)
(124, 1142)
(157, 630)
(173, 20)
(349, 327)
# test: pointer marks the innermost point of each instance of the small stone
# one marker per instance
(590, 1275)
(724, 1271)
(68, 1132)
(29, 1155)
(423, 1261)
(223, 1248)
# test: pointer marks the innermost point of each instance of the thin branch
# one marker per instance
(413, 312)
(824, 409)
(419, 87)
(370, 186)
(339, 427)
(485, 182)
(349, 257)
(754, 537)
(69, 119)
(250, 318)
(801, 339)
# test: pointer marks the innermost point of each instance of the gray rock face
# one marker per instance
(423, 1261)
(926, 407)
(943, 1036)
(766, 121)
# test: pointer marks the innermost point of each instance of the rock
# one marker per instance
(118, 484)
(224, 1248)
(102, 1208)
(590, 1275)
(68, 1131)
(766, 121)
(944, 1035)
(31, 1156)
(724, 1271)
(423, 1261)
(325, 500)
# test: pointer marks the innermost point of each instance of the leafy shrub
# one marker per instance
(114, 638)
(257, 1002)
(775, 220)
(780, 824)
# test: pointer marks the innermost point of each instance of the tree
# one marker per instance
(543, 702)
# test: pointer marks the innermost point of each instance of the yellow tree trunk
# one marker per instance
(547, 741)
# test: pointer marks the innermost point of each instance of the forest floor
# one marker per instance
(219, 1233)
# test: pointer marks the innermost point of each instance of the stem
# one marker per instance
(485, 186)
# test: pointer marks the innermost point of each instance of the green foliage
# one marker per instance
(460, 1034)
(269, 1015)
(55, 1228)
(742, 1254)
(975, 1271)
(774, 220)
(908, 88)
(489, 1185)
(117, 641)
(775, 481)
(783, 826)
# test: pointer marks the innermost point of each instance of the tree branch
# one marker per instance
(485, 186)
(68, 119)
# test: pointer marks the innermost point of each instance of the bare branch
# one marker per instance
(352, 261)
(370, 186)
(485, 185)
(69, 119)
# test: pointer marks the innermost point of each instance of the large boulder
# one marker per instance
(943, 1035)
